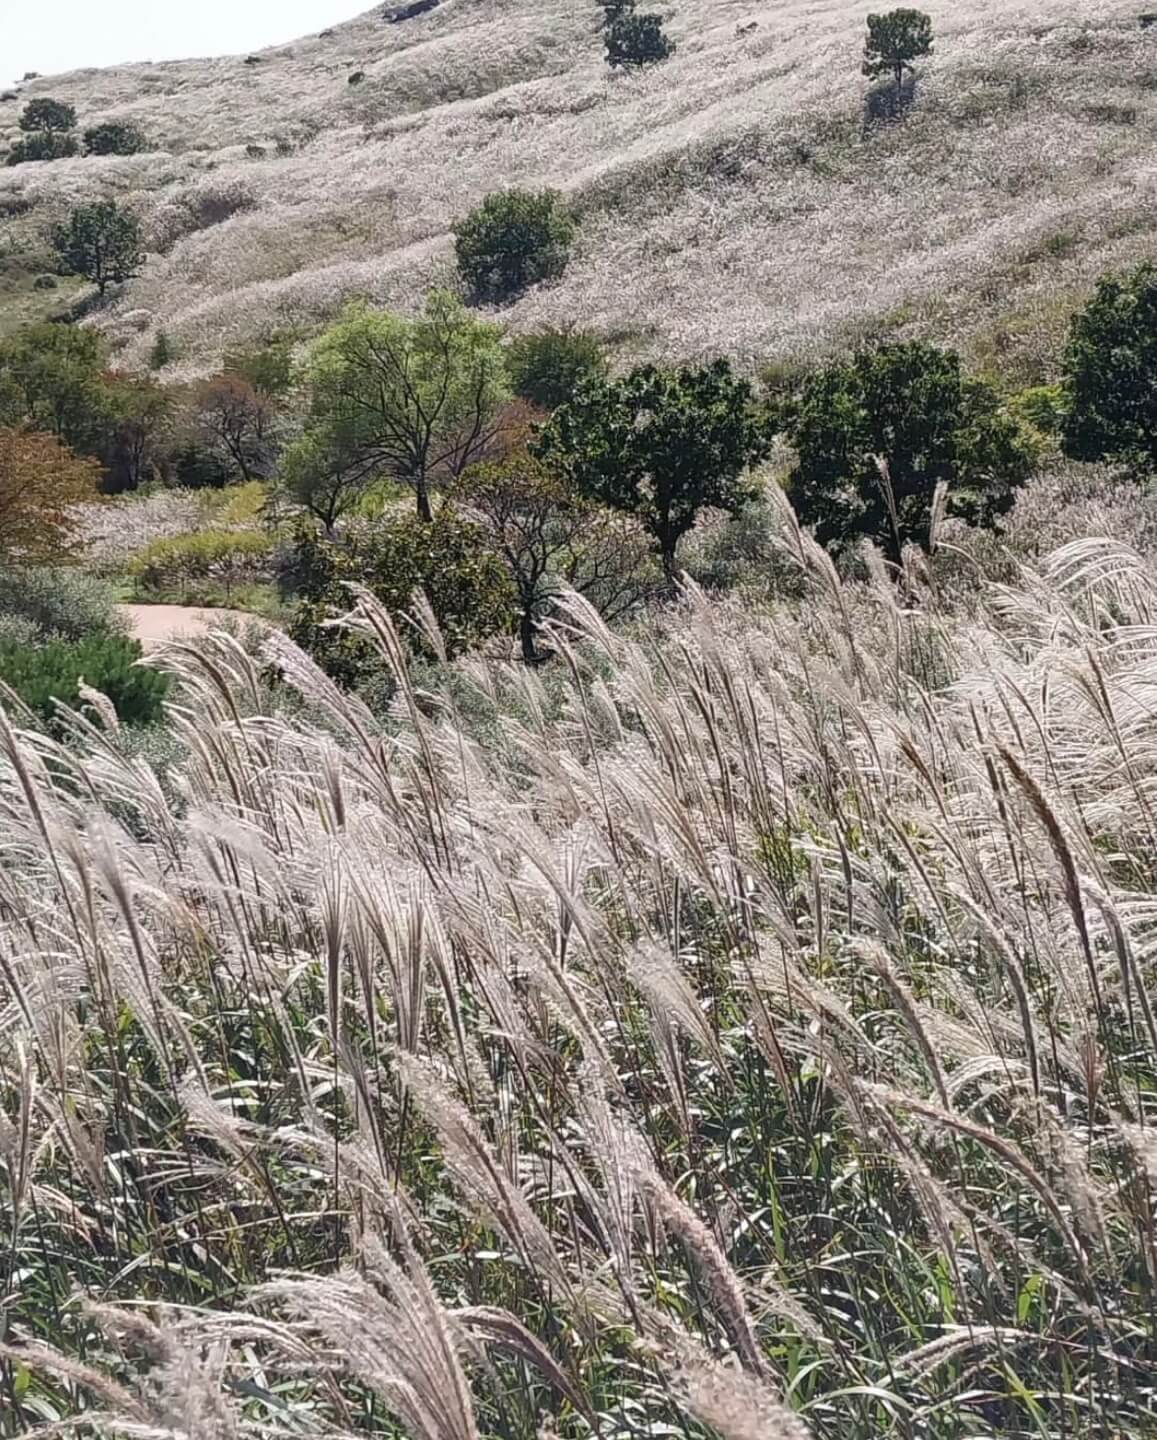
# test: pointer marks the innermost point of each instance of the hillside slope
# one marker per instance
(733, 199)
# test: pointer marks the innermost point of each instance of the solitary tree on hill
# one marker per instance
(102, 242)
(894, 41)
(47, 117)
(634, 40)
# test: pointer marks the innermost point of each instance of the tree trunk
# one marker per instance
(526, 636)
(424, 510)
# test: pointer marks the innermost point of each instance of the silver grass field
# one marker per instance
(743, 1026)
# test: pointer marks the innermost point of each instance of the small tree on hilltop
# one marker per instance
(895, 436)
(115, 137)
(894, 41)
(633, 40)
(660, 445)
(40, 482)
(514, 239)
(1110, 369)
(47, 117)
(102, 242)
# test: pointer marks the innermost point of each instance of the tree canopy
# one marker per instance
(102, 242)
(40, 481)
(894, 41)
(1110, 367)
(513, 240)
(889, 438)
(413, 399)
(661, 445)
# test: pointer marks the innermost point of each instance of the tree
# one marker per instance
(633, 41)
(139, 415)
(235, 421)
(47, 145)
(47, 117)
(52, 377)
(514, 239)
(323, 478)
(102, 242)
(535, 520)
(548, 367)
(1110, 369)
(447, 560)
(889, 439)
(416, 400)
(660, 445)
(115, 137)
(894, 41)
(40, 481)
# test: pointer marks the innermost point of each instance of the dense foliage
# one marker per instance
(54, 671)
(115, 137)
(893, 439)
(102, 242)
(548, 367)
(40, 482)
(1111, 372)
(894, 41)
(660, 445)
(446, 562)
(633, 40)
(514, 239)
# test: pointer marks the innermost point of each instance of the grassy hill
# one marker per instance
(736, 198)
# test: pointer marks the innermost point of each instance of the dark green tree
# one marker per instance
(102, 242)
(52, 377)
(894, 41)
(634, 40)
(1110, 368)
(890, 438)
(115, 137)
(660, 445)
(548, 367)
(44, 145)
(514, 239)
(47, 117)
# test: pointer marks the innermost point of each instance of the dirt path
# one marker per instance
(155, 625)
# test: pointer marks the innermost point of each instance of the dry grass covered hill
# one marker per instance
(732, 199)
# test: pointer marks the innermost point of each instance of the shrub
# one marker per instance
(55, 670)
(201, 568)
(61, 603)
(49, 146)
(45, 282)
(633, 41)
(161, 353)
(548, 367)
(514, 239)
(45, 116)
(448, 560)
(115, 137)
(357, 77)
(255, 152)
(894, 41)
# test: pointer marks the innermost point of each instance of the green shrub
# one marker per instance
(449, 559)
(633, 41)
(203, 568)
(514, 239)
(54, 671)
(115, 137)
(547, 368)
(48, 146)
(61, 603)
(47, 117)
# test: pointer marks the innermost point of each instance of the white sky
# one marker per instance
(55, 35)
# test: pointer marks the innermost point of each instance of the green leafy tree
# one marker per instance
(894, 41)
(413, 399)
(46, 116)
(894, 437)
(633, 40)
(1110, 372)
(449, 560)
(323, 478)
(514, 239)
(549, 367)
(52, 377)
(139, 414)
(115, 137)
(102, 242)
(660, 445)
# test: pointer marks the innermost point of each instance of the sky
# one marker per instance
(55, 35)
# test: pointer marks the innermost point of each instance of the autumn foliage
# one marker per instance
(40, 480)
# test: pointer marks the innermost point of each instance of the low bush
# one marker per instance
(204, 568)
(60, 603)
(115, 137)
(449, 560)
(547, 367)
(54, 671)
(514, 239)
(50, 145)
